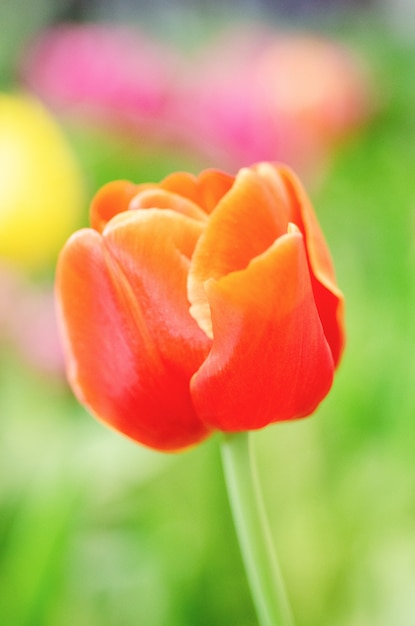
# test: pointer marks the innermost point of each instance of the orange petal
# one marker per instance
(329, 299)
(111, 199)
(270, 360)
(206, 190)
(245, 223)
(131, 345)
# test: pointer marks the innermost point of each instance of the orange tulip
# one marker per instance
(198, 304)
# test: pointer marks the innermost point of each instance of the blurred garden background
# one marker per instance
(98, 531)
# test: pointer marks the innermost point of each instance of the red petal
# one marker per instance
(131, 345)
(270, 360)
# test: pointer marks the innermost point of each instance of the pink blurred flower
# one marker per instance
(257, 94)
(9, 290)
(35, 332)
(113, 72)
(28, 322)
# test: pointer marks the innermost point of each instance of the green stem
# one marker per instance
(252, 529)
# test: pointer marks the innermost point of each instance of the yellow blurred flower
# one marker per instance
(41, 188)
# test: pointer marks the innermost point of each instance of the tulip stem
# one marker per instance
(253, 532)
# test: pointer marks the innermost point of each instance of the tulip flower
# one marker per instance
(200, 304)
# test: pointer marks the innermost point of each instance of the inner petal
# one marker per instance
(111, 199)
(206, 190)
(161, 199)
(248, 219)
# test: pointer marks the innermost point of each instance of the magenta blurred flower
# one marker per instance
(114, 72)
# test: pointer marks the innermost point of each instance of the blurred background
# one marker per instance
(98, 531)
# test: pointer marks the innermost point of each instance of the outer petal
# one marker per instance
(245, 223)
(131, 345)
(329, 299)
(270, 360)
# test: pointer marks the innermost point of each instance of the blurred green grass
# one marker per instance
(95, 530)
